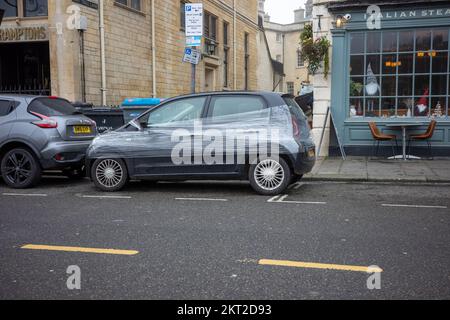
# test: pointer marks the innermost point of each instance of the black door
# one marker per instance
(25, 68)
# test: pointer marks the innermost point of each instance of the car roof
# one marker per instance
(233, 92)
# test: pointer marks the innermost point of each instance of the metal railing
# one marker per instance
(30, 89)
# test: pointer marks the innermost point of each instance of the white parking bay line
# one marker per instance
(25, 194)
(200, 199)
(106, 197)
(413, 206)
(282, 199)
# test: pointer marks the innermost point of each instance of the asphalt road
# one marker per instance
(207, 240)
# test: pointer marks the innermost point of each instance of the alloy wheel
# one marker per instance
(18, 167)
(109, 173)
(269, 174)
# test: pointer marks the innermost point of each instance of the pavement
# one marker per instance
(219, 240)
(381, 170)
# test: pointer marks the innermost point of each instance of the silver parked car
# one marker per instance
(41, 133)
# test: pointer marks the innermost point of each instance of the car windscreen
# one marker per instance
(294, 108)
(50, 107)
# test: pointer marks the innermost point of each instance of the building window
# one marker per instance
(182, 15)
(226, 50)
(133, 4)
(300, 61)
(24, 8)
(246, 59)
(10, 7)
(210, 33)
(278, 36)
(290, 88)
(399, 73)
(35, 8)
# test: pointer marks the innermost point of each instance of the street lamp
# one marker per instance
(211, 47)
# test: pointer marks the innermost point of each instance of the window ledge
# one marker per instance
(129, 9)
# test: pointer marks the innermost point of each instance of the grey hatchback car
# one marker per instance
(41, 133)
(209, 136)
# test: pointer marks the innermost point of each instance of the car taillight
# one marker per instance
(45, 122)
(295, 128)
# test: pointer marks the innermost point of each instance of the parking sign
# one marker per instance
(194, 19)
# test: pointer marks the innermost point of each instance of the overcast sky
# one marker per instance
(282, 11)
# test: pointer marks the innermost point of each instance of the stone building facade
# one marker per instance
(68, 60)
(284, 44)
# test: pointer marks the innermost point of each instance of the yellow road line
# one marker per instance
(312, 265)
(80, 249)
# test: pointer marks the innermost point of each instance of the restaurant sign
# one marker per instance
(23, 34)
(410, 14)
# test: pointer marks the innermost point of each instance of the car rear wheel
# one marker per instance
(270, 176)
(109, 174)
(20, 168)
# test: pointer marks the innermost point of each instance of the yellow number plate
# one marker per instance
(311, 153)
(82, 129)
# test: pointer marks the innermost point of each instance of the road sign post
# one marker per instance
(194, 34)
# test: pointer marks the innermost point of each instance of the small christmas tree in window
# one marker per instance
(438, 110)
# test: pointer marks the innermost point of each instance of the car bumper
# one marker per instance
(305, 162)
(64, 154)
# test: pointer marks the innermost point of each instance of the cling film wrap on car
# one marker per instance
(225, 137)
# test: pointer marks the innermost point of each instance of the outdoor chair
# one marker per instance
(379, 137)
(427, 136)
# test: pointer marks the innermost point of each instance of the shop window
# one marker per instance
(373, 42)
(440, 39)
(406, 41)
(357, 43)
(24, 8)
(405, 84)
(423, 40)
(357, 65)
(406, 63)
(10, 7)
(35, 8)
(389, 41)
(399, 73)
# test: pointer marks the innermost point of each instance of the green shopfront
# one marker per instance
(399, 71)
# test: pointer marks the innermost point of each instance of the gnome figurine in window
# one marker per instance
(422, 105)
(372, 86)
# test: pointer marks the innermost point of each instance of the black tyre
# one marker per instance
(20, 168)
(296, 178)
(270, 176)
(109, 174)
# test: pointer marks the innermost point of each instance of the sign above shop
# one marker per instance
(429, 13)
(23, 34)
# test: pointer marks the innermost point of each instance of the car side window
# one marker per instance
(6, 107)
(235, 105)
(188, 109)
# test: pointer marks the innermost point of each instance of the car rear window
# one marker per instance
(294, 108)
(52, 107)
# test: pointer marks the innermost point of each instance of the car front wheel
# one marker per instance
(270, 176)
(109, 174)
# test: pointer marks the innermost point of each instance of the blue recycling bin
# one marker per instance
(134, 107)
